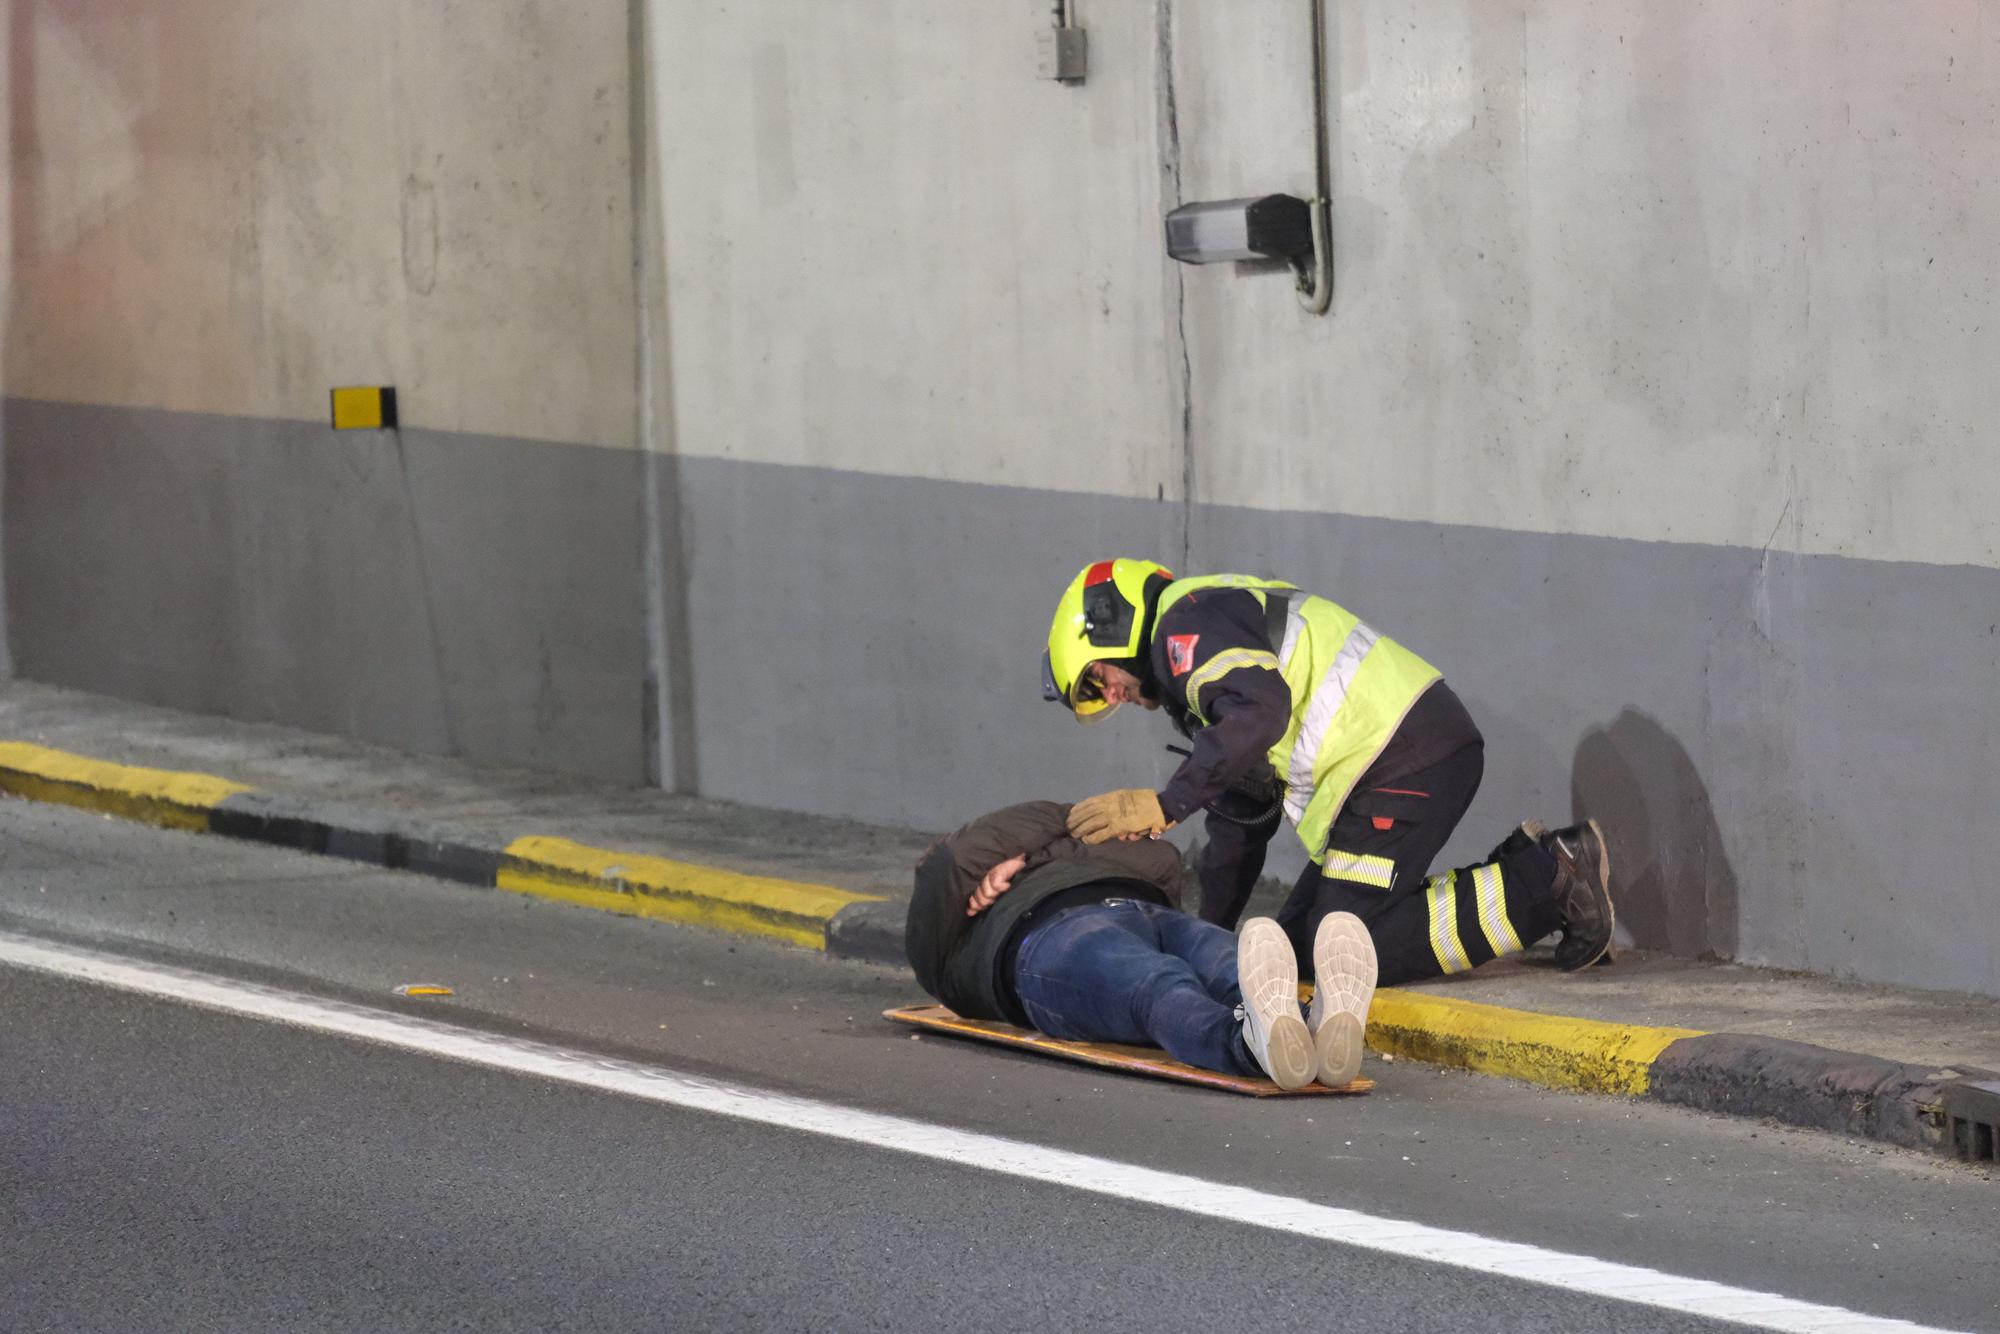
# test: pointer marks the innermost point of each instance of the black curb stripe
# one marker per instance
(255, 818)
(1796, 1083)
(869, 932)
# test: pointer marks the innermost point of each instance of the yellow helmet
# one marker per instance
(1106, 613)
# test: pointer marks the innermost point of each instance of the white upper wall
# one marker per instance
(891, 247)
(233, 205)
(1655, 269)
(1646, 268)
(1680, 271)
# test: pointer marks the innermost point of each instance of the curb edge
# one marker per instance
(1729, 1074)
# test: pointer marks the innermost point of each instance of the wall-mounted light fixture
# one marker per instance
(1272, 226)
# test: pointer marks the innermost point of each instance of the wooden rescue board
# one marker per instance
(1108, 1055)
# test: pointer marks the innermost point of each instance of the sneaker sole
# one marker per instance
(1344, 973)
(1337, 1047)
(1268, 974)
(1293, 1057)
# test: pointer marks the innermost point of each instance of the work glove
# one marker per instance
(1127, 812)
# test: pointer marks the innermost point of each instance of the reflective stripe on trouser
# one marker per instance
(1359, 867)
(1467, 911)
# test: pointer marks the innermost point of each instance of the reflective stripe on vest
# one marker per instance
(1220, 666)
(1327, 697)
(1350, 688)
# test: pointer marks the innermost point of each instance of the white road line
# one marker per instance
(989, 1153)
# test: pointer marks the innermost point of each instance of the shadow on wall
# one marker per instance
(1673, 884)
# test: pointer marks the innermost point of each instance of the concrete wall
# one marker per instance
(1650, 405)
(220, 211)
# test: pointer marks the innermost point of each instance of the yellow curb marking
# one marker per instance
(161, 797)
(1546, 1049)
(422, 989)
(658, 887)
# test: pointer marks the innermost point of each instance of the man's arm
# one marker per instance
(1030, 828)
(1215, 661)
(995, 883)
(949, 875)
(1230, 864)
(1251, 708)
(988, 854)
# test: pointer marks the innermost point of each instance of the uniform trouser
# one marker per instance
(1377, 866)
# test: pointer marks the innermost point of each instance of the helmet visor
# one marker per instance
(1094, 710)
(1085, 699)
(1089, 704)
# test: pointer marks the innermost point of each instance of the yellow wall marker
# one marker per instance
(364, 408)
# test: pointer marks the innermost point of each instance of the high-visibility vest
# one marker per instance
(1351, 689)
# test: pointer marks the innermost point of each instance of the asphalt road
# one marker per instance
(168, 1167)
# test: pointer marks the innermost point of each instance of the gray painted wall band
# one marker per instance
(435, 592)
(1793, 755)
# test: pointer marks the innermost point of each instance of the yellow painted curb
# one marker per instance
(659, 887)
(1545, 1049)
(163, 797)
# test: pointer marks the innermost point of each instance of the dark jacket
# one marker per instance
(959, 959)
(1250, 708)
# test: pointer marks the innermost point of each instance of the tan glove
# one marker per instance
(1128, 812)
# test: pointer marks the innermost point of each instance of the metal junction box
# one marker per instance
(1064, 54)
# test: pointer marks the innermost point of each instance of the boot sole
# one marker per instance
(1610, 907)
(1344, 973)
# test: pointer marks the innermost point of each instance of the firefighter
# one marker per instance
(1294, 707)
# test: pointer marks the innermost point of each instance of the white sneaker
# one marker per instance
(1343, 985)
(1268, 972)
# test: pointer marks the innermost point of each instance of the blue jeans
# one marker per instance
(1123, 971)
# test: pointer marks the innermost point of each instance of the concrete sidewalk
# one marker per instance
(1871, 1061)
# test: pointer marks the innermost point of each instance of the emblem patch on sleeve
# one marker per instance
(1180, 653)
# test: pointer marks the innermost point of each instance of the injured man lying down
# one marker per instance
(1014, 920)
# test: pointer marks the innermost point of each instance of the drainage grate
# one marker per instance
(1972, 1118)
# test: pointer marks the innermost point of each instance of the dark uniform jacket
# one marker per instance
(965, 961)
(1249, 710)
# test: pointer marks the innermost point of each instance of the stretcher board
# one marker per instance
(1108, 1055)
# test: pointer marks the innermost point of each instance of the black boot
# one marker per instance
(1528, 832)
(1583, 894)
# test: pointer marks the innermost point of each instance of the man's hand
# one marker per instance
(995, 883)
(1132, 812)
